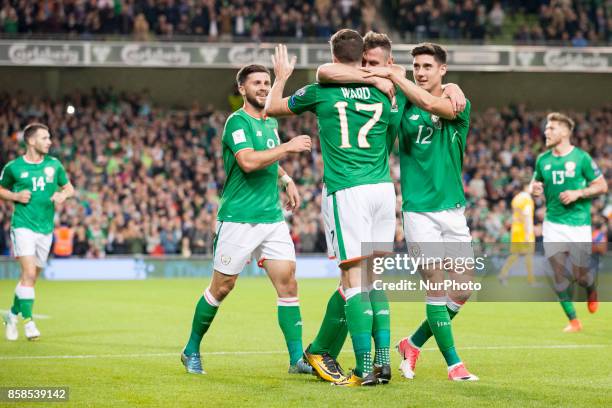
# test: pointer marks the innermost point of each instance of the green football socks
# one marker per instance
(359, 320)
(205, 312)
(290, 322)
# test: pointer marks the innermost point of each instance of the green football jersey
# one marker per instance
(43, 180)
(249, 197)
(573, 171)
(431, 160)
(353, 121)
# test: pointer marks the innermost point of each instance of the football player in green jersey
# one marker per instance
(432, 142)
(355, 154)
(250, 221)
(569, 178)
(331, 335)
(432, 195)
(35, 182)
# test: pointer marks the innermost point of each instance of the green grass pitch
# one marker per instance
(117, 344)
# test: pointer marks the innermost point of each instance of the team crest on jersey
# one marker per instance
(435, 120)
(24, 174)
(270, 143)
(226, 259)
(570, 169)
(49, 173)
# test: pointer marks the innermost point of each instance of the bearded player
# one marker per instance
(250, 221)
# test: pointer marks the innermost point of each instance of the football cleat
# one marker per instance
(301, 367)
(410, 355)
(573, 326)
(353, 380)
(10, 329)
(382, 373)
(192, 363)
(31, 331)
(592, 303)
(324, 366)
(458, 372)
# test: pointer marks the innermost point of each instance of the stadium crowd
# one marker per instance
(569, 22)
(148, 179)
(165, 18)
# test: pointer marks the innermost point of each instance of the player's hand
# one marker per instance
(283, 65)
(381, 72)
(385, 86)
(23, 196)
(58, 197)
(293, 197)
(298, 144)
(537, 188)
(569, 196)
(456, 96)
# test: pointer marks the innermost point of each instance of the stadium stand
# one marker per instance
(149, 178)
(563, 22)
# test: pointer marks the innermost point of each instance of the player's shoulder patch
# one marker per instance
(238, 136)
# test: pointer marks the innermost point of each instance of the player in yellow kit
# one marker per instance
(522, 235)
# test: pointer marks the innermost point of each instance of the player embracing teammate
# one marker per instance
(353, 124)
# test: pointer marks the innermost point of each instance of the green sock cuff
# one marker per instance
(362, 342)
(382, 338)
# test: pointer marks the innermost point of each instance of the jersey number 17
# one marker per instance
(362, 140)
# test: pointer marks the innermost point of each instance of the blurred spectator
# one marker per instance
(63, 241)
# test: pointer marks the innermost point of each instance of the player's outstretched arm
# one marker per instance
(251, 160)
(22, 197)
(67, 191)
(276, 105)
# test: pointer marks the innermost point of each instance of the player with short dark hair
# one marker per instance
(35, 183)
(377, 54)
(250, 221)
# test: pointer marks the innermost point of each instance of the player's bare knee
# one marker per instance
(287, 288)
(222, 285)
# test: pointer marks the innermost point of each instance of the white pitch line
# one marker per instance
(255, 352)
(36, 316)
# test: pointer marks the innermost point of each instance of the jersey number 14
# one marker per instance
(38, 183)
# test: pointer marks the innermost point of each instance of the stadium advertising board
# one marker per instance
(199, 55)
